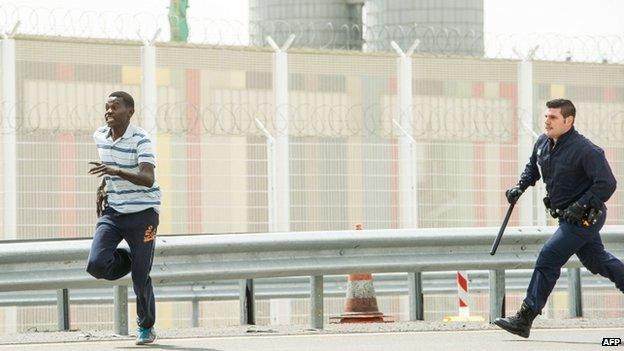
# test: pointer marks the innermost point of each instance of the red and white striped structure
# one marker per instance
(462, 293)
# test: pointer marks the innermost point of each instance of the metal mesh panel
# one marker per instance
(202, 105)
(460, 184)
(3, 105)
(344, 148)
(343, 155)
(61, 90)
(212, 155)
(464, 122)
(464, 113)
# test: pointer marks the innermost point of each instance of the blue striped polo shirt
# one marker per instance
(127, 152)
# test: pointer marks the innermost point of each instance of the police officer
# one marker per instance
(579, 181)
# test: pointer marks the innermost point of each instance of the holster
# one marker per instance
(553, 212)
(590, 217)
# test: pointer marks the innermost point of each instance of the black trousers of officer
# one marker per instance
(570, 239)
(106, 261)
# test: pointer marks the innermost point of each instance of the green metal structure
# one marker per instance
(177, 20)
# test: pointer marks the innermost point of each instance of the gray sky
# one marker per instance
(574, 17)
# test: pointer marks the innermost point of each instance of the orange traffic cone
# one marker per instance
(361, 303)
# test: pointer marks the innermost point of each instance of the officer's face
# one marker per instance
(554, 123)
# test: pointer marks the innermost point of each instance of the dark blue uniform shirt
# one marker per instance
(573, 169)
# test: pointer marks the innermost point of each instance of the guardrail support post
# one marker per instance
(62, 308)
(316, 302)
(120, 313)
(575, 297)
(497, 294)
(247, 302)
(195, 313)
(415, 295)
(526, 135)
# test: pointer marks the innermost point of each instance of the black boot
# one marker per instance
(520, 324)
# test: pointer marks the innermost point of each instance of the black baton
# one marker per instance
(502, 230)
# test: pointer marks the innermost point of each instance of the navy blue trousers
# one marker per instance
(106, 261)
(570, 239)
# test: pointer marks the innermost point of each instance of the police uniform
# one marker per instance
(574, 171)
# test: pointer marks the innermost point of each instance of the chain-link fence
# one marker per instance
(344, 147)
(214, 159)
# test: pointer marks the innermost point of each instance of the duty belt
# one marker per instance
(590, 217)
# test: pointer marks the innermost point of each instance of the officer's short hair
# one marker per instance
(567, 107)
(127, 98)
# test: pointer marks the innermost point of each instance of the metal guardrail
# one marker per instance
(45, 265)
(296, 287)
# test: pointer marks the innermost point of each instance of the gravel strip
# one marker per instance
(97, 335)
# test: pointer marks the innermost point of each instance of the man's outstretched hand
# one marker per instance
(101, 199)
(100, 169)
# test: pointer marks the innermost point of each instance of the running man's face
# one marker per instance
(117, 113)
(554, 123)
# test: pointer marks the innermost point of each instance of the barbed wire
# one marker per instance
(313, 34)
(458, 122)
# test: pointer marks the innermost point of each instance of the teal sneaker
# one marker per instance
(145, 336)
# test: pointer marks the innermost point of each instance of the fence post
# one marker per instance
(575, 296)
(407, 160)
(497, 294)
(62, 309)
(278, 148)
(120, 312)
(9, 152)
(149, 92)
(407, 157)
(280, 89)
(272, 194)
(271, 176)
(526, 135)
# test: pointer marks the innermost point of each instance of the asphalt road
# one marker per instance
(483, 340)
